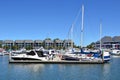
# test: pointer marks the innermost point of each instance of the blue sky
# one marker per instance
(39, 19)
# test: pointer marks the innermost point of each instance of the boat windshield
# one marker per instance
(40, 53)
(31, 53)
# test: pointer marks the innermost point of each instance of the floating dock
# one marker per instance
(56, 62)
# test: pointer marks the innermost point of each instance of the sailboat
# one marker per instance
(70, 53)
(87, 56)
(104, 55)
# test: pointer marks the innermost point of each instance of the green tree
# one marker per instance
(29, 47)
(0, 45)
(75, 46)
(50, 47)
(14, 47)
(48, 39)
(47, 46)
(41, 44)
(55, 46)
(6, 47)
(56, 39)
(91, 46)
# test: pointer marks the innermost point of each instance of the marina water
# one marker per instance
(108, 71)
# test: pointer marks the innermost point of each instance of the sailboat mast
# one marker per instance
(72, 35)
(100, 36)
(82, 26)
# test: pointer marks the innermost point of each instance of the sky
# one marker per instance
(40, 19)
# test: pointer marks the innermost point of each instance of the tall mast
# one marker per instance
(100, 35)
(72, 35)
(82, 26)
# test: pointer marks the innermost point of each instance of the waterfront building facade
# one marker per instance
(68, 43)
(48, 44)
(38, 43)
(19, 44)
(1, 43)
(30, 44)
(8, 44)
(58, 44)
(108, 42)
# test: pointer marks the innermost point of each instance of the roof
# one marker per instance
(28, 41)
(48, 41)
(58, 41)
(116, 39)
(68, 41)
(38, 41)
(19, 41)
(8, 41)
(107, 39)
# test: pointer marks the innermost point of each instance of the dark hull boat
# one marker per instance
(65, 57)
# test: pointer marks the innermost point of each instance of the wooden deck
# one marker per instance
(56, 62)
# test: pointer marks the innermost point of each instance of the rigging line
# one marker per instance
(71, 29)
(76, 18)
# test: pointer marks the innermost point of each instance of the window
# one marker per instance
(31, 53)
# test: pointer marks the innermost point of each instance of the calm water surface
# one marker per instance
(110, 71)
